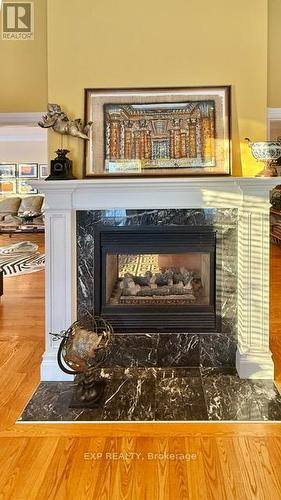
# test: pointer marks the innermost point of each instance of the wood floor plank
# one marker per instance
(10, 452)
(195, 468)
(177, 479)
(57, 483)
(85, 471)
(215, 487)
(141, 429)
(250, 475)
(124, 481)
(23, 479)
(273, 446)
(230, 468)
(163, 474)
(259, 454)
(106, 479)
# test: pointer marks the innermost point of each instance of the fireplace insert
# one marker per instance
(155, 278)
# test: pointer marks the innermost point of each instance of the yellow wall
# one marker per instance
(23, 80)
(274, 54)
(97, 43)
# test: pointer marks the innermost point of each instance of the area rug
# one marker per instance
(21, 258)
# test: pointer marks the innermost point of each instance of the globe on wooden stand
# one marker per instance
(81, 351)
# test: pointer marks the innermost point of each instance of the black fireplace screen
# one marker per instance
(156, 278)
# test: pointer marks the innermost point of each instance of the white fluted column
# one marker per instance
(60, 284)
(254, 358)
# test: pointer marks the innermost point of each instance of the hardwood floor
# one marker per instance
(57, 461)
(21, 335)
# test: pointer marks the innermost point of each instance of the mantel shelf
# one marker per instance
(251, 182)
(174, 192)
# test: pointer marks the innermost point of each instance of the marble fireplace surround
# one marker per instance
(250, 196)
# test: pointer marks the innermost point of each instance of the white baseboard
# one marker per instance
(50, 370)
(257, 365)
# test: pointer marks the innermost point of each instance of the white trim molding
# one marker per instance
(23, 133)
(274, 113)
(249, 195)
(20, 118)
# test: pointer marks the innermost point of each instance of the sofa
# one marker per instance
(12, 208)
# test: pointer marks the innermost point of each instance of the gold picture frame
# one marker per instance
(158, 132)
(8, 186)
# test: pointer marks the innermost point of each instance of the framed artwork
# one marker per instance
(24, 188)
(158, 132)
(43, 170)
(7, 186)
(7, 170)
(28, 170)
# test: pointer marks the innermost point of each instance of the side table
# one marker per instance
(23, 228)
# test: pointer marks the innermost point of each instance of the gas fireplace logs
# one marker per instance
(173, 285)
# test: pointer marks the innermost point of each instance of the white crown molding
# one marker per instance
(20, 118)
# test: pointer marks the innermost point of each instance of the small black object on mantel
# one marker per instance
(61, 167)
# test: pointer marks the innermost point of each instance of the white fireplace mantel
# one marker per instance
(249, 195)
(88, 194)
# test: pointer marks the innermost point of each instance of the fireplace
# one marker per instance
(156, 279)
(235, 210)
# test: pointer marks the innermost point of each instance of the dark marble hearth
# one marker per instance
(164, 376)
(133, 350)
(178, 350)
(217, 351)
(180, 398)
(231, 398)
(162, 394)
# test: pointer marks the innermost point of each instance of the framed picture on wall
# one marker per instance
(43, 170)
(7, 170)
(158, 132)
(24, 188)
(8, 186)
(28, 170)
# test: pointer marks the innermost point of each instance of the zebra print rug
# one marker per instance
(21, 258)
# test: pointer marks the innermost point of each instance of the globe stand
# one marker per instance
(88, 392)
(80, 353)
